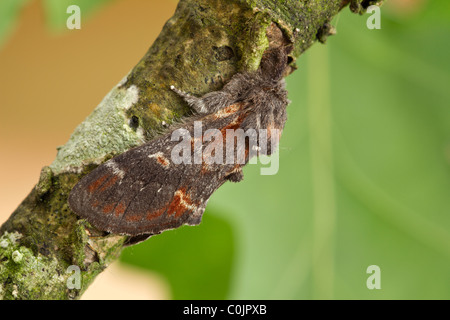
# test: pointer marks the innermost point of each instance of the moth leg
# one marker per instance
(235, 176)
(194, 102)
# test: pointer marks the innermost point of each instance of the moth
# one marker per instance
(144, 191)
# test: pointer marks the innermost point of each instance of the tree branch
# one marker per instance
(199, 49)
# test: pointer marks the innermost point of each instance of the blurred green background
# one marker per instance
(364, 176)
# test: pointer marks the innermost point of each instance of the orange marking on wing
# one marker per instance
(108, 208)
(160, 158)
(180, 203)
(97, 183)
(109, 183)
(227, 111)
(233, 125)
(163, 161)
(175, 207)
(135, 217)
(152, 215)
(120, 209)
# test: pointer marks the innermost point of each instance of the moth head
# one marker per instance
(274, 62)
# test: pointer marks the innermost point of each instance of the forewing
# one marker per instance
(141, 192)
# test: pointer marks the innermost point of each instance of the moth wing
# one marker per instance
(140, 192)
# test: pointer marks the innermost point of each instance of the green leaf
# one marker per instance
(196, 261)
(9, 13)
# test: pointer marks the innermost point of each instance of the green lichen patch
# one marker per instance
(45, 181)
(90, 248)
(28, 274)
(24, 275)
(103, 132)
(300, 20)
(255, 41)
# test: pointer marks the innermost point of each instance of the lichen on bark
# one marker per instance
(199, 49)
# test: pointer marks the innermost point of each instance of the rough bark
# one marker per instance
(198, 50)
